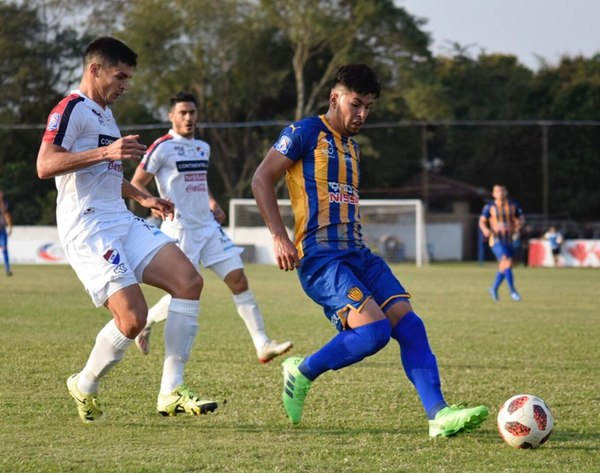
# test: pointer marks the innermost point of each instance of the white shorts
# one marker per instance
(109, 260)
(209, 246)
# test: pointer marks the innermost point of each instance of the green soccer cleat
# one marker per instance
(88, 405)
(295, 388)
(452, 420)
(183, 401)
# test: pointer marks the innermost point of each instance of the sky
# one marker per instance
(524, 28)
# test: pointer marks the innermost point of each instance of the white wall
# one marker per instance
(35, 244)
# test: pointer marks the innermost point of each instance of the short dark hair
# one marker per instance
(110, 50)
(358, 78)
(183, 97)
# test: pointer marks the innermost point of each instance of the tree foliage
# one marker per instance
(255, 64)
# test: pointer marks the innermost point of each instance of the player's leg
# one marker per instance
(418, 360)
(364, 330)
(221, 256)
(160, 310)
(506, 264)
(4, 248)
(170, 270)
(111, 282)
(499, 252)
(248, 309)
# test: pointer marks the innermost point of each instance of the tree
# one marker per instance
(31, 54)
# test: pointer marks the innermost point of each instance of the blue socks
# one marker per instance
(498, 281)
(346, 348)
(509, 279)
(353, 345)
(419, 362)
(6, 260)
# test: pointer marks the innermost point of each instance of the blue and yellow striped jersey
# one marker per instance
(502, 220)
(323, 185)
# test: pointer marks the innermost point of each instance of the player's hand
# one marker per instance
(486, 232)
(219, 214)
(286, 253)
(127, 147)
(162, 208)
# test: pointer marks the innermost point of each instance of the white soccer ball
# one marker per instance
(525, 421)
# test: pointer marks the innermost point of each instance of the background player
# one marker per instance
(500, 220)
(6, 225)
(359, 293)
(109, 248)
(179, 163)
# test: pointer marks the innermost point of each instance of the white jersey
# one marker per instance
(180, 167)
(89, 199)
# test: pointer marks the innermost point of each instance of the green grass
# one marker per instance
(366, 418)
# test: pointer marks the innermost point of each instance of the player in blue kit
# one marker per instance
(5, 231)
(501, 219)
(359, 293)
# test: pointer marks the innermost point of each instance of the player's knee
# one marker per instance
(374, 336)
(237, 281)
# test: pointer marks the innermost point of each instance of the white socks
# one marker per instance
(180, 332)
(250, 314)
(108, 351)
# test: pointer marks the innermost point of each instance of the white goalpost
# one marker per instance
(392, 228)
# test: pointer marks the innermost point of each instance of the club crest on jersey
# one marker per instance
(53, 122)
(355, 294)
(283, 144)
(112, 256)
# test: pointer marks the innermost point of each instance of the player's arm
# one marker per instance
(266, 176)
(54, 160)
(484, 226)
(141, 178)
(162, 207)
(216, 209)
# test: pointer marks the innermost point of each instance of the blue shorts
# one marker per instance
(339, 280)
(3, 238)
(502, 249)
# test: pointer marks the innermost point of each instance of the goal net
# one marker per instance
(393, 228)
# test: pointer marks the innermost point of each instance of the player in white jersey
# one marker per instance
(110, 249)
(179, 164)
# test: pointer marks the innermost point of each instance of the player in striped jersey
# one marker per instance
(359, 293)
(500, 221)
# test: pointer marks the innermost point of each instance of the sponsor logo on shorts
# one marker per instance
(112, 256)
(283, 144)
(120, 269)
(53, 122)
(355, 294)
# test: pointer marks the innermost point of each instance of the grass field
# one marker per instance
(366, 418)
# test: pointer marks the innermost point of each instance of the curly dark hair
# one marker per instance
(358, 78)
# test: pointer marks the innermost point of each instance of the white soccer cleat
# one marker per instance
(142, 341)
(272, 349)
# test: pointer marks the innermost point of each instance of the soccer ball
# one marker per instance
(525, 421)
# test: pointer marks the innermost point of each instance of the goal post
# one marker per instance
(392, 228)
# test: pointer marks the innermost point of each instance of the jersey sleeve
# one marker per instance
(290, 143)
(486, 211)
(65, 123)
(153, 159)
